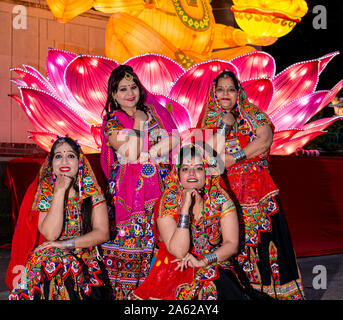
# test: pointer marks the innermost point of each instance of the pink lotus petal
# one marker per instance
(19, 82)
(96, 133)
(179, 113)
(320, 124)
(29, 113)
(56, 63)
(294, 82)
(35, 72)
(256, 64)
(298, 112)
(280, 137)
(191, 89)
(156, 72)
(33, 81)
(260, 92)
(323, 61)
(331, 95)
(86, 77)
(291, 146)
(45, 141)
(53, 115)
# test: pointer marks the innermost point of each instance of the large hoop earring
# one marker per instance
(116, 104)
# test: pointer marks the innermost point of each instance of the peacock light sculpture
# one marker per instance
(70, 100)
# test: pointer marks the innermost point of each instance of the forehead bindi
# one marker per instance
(64, 148)
(125, 83)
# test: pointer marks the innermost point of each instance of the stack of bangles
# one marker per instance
(223, 128)
(183, 221)
(210, 258)
(239, 155)
(69, 244)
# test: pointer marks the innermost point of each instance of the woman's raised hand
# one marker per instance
(63, 182)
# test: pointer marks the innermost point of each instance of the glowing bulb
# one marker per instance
(287, 118)
(94, 62)
(264, 62)
(59, 61)
(198, 73)
(308, 83)
(261, 88)
(293, 74)
(303, 72)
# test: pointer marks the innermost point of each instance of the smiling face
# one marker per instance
(192, 173)
(65, 160)
(226, 93)
(127, 94)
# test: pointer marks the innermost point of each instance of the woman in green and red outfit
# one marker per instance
(243, 136)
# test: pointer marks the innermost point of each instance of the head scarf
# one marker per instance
(38, 197)
(248, 111)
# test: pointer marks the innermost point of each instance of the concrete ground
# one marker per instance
(322, 276)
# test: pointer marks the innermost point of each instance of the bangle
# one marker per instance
(69, 244)
(210, 258)
(223, 128)
(239, 155)
(183, 221)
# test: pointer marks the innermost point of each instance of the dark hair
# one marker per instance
(116, 76)
(229, 74)
(86, 206)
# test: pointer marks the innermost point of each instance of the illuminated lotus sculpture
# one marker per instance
(184, 30)
(71, 99)
(268, 18)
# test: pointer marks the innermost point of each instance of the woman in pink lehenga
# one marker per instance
(137, 139)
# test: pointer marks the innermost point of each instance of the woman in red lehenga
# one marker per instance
(61, 222)
(244, 135)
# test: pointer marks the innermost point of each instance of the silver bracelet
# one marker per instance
(183, 221)
(223, 128)
(239, 156)
(69, 244)
(210, 257)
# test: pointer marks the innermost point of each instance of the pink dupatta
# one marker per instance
(128, 194)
